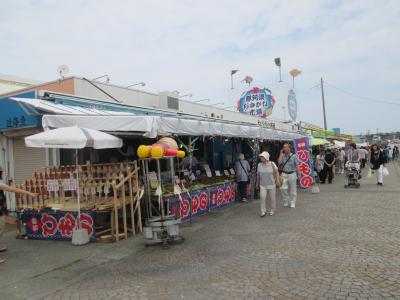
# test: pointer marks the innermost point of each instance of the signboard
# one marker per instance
(222, 195)
(14, 115)
(69, 184)
(203, 200)
(200, 204)
(52, 185)
(56, 225)
(257, 102)
(292, 105)
(303, 153)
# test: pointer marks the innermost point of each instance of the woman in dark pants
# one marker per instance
(329, 163)
(242, 170)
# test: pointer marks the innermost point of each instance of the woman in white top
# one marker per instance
(267, 175)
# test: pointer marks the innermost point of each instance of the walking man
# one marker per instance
(288, 167)
(341, 160)
(329, 163)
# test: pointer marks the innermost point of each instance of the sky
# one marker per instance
(191, 46)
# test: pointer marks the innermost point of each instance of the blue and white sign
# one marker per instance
(292, 105)
(257, 102)
(15, 116)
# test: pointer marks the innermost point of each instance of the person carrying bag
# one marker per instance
(267, 181)
(288, 167)
(242, 168)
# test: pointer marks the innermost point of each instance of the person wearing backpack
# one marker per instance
(386, 154)
(242, 170)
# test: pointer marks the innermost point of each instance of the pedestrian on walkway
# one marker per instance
(341, 160)
(363, 156)
(390, 154)
(329, 163)
(267, 179)
(288, 167)
(242, 170)
(7, 188)
(354, 155)
(319, 164)
(377, 161)
(386, 154)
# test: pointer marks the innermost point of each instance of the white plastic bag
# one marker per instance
(385, 171)
(285, 184)
(315, 189)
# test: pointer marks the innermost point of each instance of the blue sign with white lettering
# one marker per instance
(13, 115)
(292, 105)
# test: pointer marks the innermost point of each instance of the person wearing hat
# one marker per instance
(242, 170)
(267, 177)
(288, 167)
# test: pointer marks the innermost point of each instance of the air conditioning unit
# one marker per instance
(168, 100)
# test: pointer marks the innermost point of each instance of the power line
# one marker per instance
(362, 97)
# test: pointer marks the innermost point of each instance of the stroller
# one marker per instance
(353, 174)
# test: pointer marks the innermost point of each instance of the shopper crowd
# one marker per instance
(327, 163)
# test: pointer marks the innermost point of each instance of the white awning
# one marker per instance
(153, 126)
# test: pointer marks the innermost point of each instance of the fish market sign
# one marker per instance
(257, 102)
(266, 124)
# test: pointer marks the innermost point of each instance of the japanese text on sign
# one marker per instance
(303, 153)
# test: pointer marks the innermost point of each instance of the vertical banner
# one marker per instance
(292, 105)
(303, 153)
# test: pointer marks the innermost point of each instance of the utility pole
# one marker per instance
(323, 103)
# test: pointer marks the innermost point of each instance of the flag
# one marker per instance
(234, 71)
(248, 79)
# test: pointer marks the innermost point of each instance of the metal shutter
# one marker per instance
(26, 160)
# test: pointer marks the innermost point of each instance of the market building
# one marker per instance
(131, 114)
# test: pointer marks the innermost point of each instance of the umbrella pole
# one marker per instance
(77, 186)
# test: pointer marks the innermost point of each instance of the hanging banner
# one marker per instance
(257, 102)
(204, 200)
(56, 225)
(303, 153)
(292, 105)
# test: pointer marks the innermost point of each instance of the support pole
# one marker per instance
(323, 103)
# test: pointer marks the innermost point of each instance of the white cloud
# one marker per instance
(191, 46)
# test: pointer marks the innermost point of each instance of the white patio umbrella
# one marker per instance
(73, 138)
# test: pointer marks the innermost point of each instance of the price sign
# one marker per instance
(217, 173)
(53, 185)
(232, 171)
(69, 184)
(226, 172)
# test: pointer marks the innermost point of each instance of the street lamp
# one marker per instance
(218, 103)
(186, 95)
(233, 72)
(139, 83)
(102, 76)
(231, 106)
(201, 100)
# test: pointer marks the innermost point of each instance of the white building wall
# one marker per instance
(125, 95)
